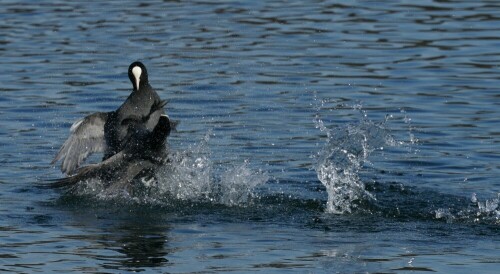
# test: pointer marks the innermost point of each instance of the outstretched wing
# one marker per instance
(125, 167)
(91, 171)
(86, 137)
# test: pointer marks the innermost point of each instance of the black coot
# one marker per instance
(143, 153)
(107, 131)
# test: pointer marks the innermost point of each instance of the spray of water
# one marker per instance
(347, 149)
(487, 211)
(188, 176)
(237, 184)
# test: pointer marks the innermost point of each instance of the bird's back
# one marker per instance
(137, 109)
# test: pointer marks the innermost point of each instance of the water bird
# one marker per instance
(135, 109)
(142, 154)
(107, 131)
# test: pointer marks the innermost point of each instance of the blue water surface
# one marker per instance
(314, 136)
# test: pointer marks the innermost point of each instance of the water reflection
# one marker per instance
(142, 246)
(128, 238)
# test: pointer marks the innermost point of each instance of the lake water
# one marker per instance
(314, 136)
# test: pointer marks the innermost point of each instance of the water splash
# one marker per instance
(487, 211)
(341, 159)
(191, 176)
(188, 176)
(237, 184)
(189, 173)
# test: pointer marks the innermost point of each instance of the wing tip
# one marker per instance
(58, 183)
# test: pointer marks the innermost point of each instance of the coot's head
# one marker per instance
(138, 75)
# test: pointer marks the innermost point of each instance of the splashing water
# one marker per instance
(237, 184)
(478, 211)
(189, 176)
(346, 151)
